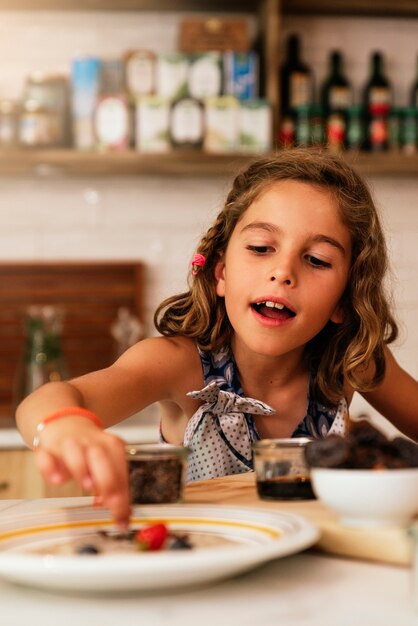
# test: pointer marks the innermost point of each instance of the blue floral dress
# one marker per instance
(221, 432)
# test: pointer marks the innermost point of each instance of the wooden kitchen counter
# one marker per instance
(387, 545)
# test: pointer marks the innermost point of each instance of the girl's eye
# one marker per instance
(259, 249)
(315, 262)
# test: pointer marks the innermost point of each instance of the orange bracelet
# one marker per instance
(66, 412)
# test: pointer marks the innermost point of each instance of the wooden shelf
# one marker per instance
(68, 162)
(235, 6)
(57, 163)
(308, 7)
(376, 8)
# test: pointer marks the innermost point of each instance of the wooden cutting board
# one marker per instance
(387, 545)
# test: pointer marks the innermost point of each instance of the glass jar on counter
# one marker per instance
(52, 92)
(8, 123)
(38, 126)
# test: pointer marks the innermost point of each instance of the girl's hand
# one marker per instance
(75, 448)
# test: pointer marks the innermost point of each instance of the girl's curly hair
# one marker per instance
(342, 352)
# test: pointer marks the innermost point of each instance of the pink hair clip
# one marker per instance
(198, 261)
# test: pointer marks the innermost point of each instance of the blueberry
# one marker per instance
(180, 543)
(88, 548)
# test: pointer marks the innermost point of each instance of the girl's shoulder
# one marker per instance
(176, 356)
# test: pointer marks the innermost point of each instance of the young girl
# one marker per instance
(284, 319)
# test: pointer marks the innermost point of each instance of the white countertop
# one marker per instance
(306, 589)
(140, 428)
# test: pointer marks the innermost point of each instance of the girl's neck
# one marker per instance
(258, 371)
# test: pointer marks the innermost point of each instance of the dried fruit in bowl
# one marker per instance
(365, 448)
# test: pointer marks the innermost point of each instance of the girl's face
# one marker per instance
(285, 268)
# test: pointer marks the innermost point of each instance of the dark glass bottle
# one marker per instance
(43, 359)
(336, 92)
(377, 99)
(413, 98)
(296, 81)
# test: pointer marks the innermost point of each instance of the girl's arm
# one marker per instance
(73, 446)
(396, 398)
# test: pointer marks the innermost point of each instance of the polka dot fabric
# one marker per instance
(221, 432)
(218, 433)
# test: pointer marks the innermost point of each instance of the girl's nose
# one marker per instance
(284, 273)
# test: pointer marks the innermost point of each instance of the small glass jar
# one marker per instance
(52, 92)
(156, 472)
(281, 469)
(38, 126)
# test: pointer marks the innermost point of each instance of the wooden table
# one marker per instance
(388, 545)
(306, 589)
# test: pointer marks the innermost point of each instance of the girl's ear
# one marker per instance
(220, 278)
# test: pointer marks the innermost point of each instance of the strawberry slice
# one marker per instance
(151, 537)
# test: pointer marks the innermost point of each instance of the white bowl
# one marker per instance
(367, 498)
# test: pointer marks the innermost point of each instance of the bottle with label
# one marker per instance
(113, 120)
(336, 97)
(413, 98)
(336, 92)
(377, 99)
(295, 78)
(43, 359)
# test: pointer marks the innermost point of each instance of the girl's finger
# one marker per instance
(74, 456)
(108, 483)
(51, 468)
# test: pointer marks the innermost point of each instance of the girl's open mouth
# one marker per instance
(273, 310)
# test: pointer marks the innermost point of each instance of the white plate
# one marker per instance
(257, 536)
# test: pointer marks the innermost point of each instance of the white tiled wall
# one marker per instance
(159, 221)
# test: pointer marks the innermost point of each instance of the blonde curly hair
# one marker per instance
(342, 352)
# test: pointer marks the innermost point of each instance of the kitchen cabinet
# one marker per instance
(20, 478)
(269, 14)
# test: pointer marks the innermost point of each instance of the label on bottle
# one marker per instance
(336, 131)
(287, 132)
(221, 124)
(299, 89)
(255, 126)
(112, 122)
(339, 98)
(379, 101)
(378, 132)
(172, 70)
(152, 124)
(187, 122)
(140, 72)
(354, 133)
(205, 76)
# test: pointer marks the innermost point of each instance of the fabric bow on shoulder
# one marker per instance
(225, 411)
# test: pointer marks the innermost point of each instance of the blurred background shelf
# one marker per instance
(238, 6)
(187, 163)
(294, 7)
(383, 8)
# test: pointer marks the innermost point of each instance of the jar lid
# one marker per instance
(155, 450)
(271, 444)
(43, 78)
